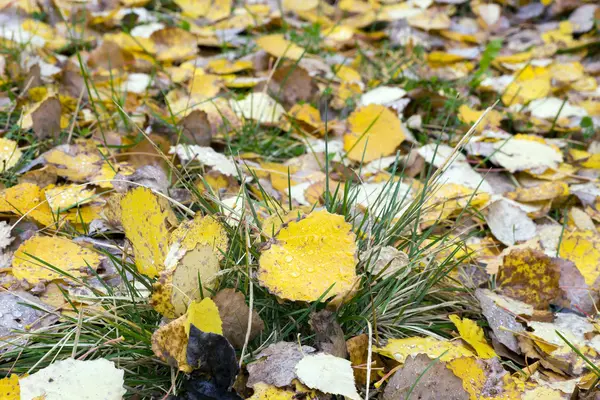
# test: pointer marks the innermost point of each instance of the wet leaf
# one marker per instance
(327, 373)
(302, 266)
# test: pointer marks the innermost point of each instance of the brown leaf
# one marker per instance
(358, 350)
(276, 365)
(234, 314)
(530, 276)
(329, 334)
(577, 295)
(425, 379)
(196, 128)
(33, 78)
(46, 119)
(110, 56)
(292, 84)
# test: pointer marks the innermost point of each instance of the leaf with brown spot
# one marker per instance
(530, 276)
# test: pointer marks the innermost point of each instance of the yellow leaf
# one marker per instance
(174, 44)
(27, 199)
(347, 74)
(201, 231)
(583, 248)
(61, 198)
(297, 6)
(400, 349)
(440, 57)
(430, 20)
(277, 46)
(469, 116)
(310, 256)
(204, 315)
(9, 388)
(475, 377)
(9, 154)
(471, 333)
(450, 199)
(33, 257)
(223, 66)
(169, 342)
(375, 131)
(194, 8)
(522, 92)
(543, 191)
(262, 391)
(146, 219)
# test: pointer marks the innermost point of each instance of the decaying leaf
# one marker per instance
(71, 379)
(310, 257)
(147, 219)
(530, 276)
(234, 314)
(358, 350)
(44, 258)
(276, 365)
(212, 354)
(327, 373)
(501, 320)
(191, 265)
(424, 378)
(329, 334)
(385, 260)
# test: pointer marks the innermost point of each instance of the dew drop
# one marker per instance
(295, 274)
(289, 259)
(310, 269)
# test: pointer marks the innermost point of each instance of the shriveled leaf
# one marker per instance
(213, 355)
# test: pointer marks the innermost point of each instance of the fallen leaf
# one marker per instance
(374, 131)
(302, 267)
(471, 333)
(277, 46)
(213, 355)
(147, 219)
(9, 388)
(503, 323)
(262, 391)
(329, 336)
(583, 249)
(518, 154)
(259, 107)
(9, 154)
(234, 314)
(424, 378)
(530, 276)
(400, 349)
(327, 373)
(508, 223)
(69, 379)
(276, 365)
(44, 258)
